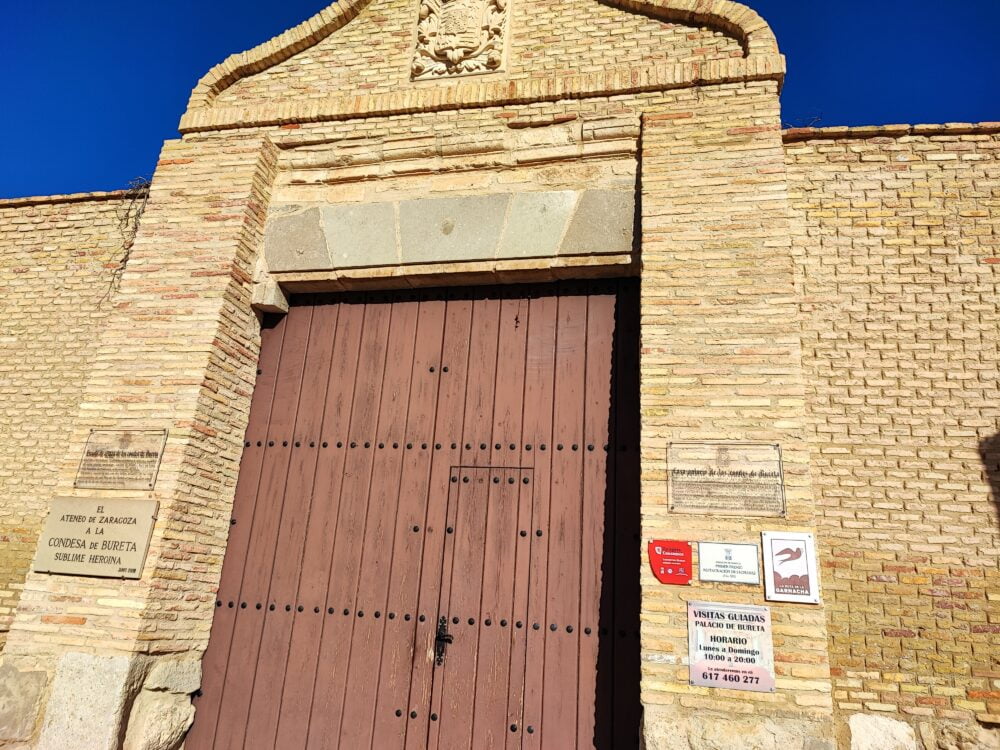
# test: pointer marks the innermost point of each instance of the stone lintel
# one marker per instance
(462, 229)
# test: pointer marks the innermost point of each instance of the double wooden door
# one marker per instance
(434, 542)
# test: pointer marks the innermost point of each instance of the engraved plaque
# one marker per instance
(726, 479)
(96, 537)
(121, 459)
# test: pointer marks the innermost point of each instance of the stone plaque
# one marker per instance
(725, 479)
(121, 459)
(96, 537)
(731, 646)
(729, 563)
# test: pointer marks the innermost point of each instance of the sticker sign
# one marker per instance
(726, 479)
(729, 563)
(790, 572)
(731, 646)
(96, 537)
(671, 562)
(121, 460)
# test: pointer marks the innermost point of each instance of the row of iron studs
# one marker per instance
(488, 622)
(434, 717)
(424, 446)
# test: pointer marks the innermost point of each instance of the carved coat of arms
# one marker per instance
(459, 37)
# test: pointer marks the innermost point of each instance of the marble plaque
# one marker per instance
(726, 479)
(121, 459)
(96, 537)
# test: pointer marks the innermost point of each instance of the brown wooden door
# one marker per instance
(430, 546)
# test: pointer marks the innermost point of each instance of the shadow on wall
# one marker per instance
(989, 452)
(618, 709)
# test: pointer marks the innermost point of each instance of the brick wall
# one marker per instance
(56, 261)
(721, 360)
(898, 256)
(178, 354)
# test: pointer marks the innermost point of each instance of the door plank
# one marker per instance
(335, 650)
(462, 587)
(597, 407)
(409, 547)
(272, 661)
(234, 713)
(216, 662)
(563, 601)
(307, 632)
(380, 525)
(490, 725)
(539, 399)
(444, 482)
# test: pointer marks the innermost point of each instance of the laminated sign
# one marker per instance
(730, 646)
(790, 572)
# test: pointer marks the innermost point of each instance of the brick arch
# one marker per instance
(734, 19)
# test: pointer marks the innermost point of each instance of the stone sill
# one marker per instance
(477, 273)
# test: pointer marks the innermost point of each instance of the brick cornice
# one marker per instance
(796, 135)
(42, 200)
(761, 60)
(478, 94)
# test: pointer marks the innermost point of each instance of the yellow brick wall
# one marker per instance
(56, 260)
(898, 255)
(373, 52)
(178, 354)
(721, 360)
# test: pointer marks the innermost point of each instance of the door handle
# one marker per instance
(442, 641)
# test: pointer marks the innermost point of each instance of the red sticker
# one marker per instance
(671, 561)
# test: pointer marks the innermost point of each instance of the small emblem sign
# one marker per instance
(731, 646)
(790, 572)
(121, 460)
(671, 562)
(96, 537)
(729, 563)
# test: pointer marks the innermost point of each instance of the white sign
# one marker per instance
(729, 563)
(730, 646)
(790, 572)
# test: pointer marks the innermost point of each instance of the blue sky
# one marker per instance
(91, 90)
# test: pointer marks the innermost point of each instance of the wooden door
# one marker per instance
(430, 546)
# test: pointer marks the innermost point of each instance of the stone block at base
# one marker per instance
(665, 729)
(20, 695)
(90, 696)
(881, 733)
